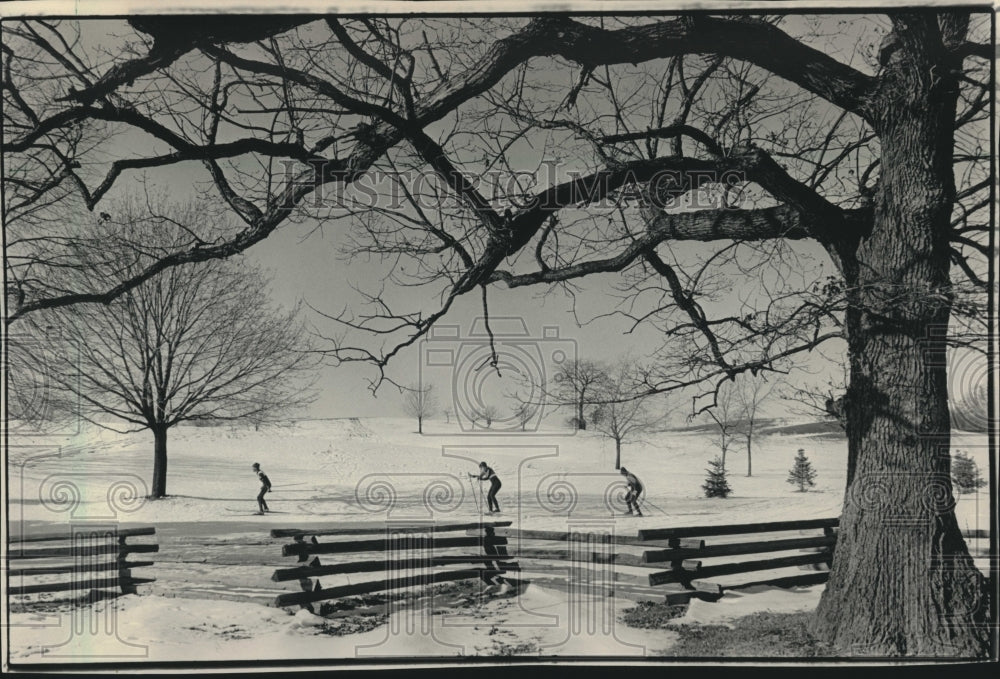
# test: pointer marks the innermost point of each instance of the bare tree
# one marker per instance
(725, 416)
(625, 411)
(420, 401)
(751, 392)
(486, 414)
(853, 143)
(523, 412)
(197, 343)
(575, 382)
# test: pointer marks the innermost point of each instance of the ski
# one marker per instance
(231, 509)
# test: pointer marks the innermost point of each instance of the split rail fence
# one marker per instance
(400, 556)
(85, 562)
(678, 563)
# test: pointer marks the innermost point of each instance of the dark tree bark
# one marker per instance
(159, 460)
(902, 581)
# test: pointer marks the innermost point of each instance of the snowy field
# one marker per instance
(213, 590)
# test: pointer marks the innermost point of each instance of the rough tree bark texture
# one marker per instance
(902, 581)
(159, 460)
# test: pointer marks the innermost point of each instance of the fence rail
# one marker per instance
(695, 555)
(87, 551)
(410, 555)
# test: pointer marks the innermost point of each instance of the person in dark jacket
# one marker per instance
(487, 474)
(634, 490)
(265, 487)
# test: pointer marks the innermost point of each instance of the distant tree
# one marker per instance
(751, 392)
(485, 414)
(200, 342)
(716, 484)
(523, 412)
(447, 414)
(624, 413)
(965, 473)
(421, 402)
(574, 383)
(725, 415)
(802, 474)
(596, 415)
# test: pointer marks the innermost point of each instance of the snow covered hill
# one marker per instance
(379, 469)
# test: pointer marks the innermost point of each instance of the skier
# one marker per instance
(486, 473)
(634, 489)
(264, 488)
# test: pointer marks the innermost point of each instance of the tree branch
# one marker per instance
(667, 133)
(759, 43)
(175, 36)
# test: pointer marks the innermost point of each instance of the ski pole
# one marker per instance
(647, 502)
(474, 498)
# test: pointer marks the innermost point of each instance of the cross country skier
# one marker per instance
(634, 489)
(265, 487)
(486, 473)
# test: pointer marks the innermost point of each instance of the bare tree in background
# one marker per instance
(485, 414)
(198, 343)
(574, 384)
(420, 401)
(625, 411)
(725, 417)
(751, 392)
(523, 412)
(835, 187)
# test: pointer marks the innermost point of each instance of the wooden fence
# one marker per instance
(83, 561)
(699, 558)
(407, 556)
(691, 561)
(585, 559)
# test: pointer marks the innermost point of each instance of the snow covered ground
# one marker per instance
(216, 558)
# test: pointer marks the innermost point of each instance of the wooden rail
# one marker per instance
(693, 559)
(738, 548)
(366, 529)
(735, 529)
(410, 555)
(87, 551)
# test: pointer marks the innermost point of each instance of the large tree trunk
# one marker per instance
(159, 460)
(618, 453)
(902, 581)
